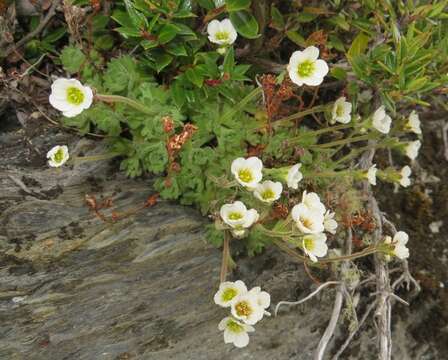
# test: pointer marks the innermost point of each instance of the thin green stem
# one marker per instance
(301, 114)
(343, 141)
(121, 99)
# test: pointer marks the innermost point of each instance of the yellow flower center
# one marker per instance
(306, 222)
(267, 194)
(74, 95)
(308, 243)
(243, 309)
(222, 35)
(306, 68)
(58, 156)
(233, 326)
(235, 216)
(245, 175)
(228, 294)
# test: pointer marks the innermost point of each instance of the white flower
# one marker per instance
(246, 308)
(228, 292)
(371, 174)
(330, 223)
(268, 191)
(399, 244)
(237, 216)
(413, 123)
(294, 176)
(221, 32)
(412, 149)
(248, 172)
(305, 67)
(309, 221)
(312, 201)
(70, 96)
(315, 245)
(235, 331)
(341, 111)
(381, 121)
(58, 155)
(405, 173)
(263, 298)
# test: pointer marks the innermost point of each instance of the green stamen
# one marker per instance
(75, 96)
(235, 216)
(245, 175)
(222, 35)
(229, 294)
(59, 156)
(340, 110)
(306, 68)
(268, 194)
(234, 327)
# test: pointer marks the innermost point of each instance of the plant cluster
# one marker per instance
(255, 155)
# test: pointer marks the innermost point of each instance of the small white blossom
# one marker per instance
(268, 191)
(371, 174)
(235, 332)
(294, 176)
(330, 223)
(237, 216)
(309, 221)
(228, 292)
(314, 245)
(221, 32)
(312, 201)
(412, 149)
(248, 172)
(246, 308)
(70, 96)
(305, 67)
(413, 123)
(341, 111)
(381, 121)
(405, 173)
(58, 155)
(399, 244)
(263, 298)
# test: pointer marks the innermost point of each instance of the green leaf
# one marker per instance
(359, 45)
(104, 42)
(207, 4)
(277, 18)
(161, 60)
(167, 33)
(194, 76)
(245, 24)
(295, 37)
(121, 74)
(55, 35)
(235, 5)
(138, 19)
(72, 59)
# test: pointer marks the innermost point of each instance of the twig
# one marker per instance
(353, 333)
(36, 31)
(337, 307)
(315, 292)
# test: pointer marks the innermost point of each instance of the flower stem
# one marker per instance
(225, 256)
(343, 141)
(121, 99)
(301, 114)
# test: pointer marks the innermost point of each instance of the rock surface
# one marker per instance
(75, 287)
